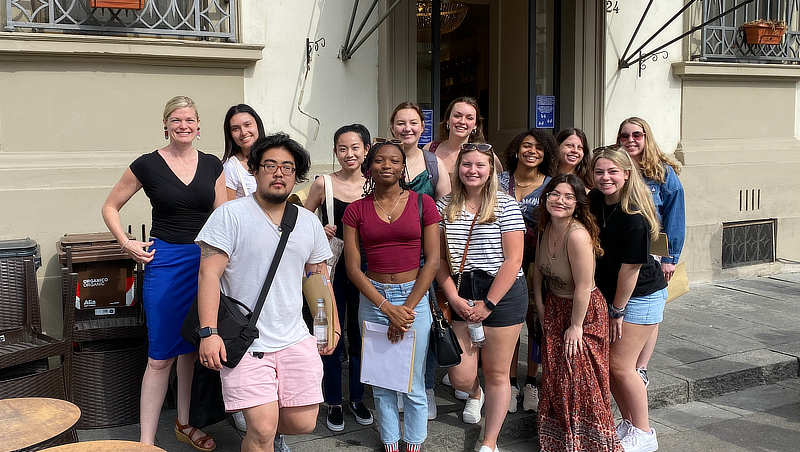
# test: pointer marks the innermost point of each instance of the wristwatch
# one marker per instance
(489, 305)
(207, 331)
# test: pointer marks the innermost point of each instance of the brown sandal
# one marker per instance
(184, 438)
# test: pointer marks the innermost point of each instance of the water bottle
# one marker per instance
(321, 325)
(476, 330)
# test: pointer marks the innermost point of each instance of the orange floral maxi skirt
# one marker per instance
(575, 406)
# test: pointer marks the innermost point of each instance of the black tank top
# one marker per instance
(339, 207)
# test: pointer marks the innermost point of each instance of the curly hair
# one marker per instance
(582, 213)
(444, 134)
(366, 167)
(653, 160)
(582, 168)
(635, 197)
(549, 165)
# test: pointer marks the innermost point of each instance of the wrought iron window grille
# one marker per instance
(184, 19)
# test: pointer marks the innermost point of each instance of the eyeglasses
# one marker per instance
(568, 198)
(486, 148)
(286, 170)
(381, 140)
(636, 135)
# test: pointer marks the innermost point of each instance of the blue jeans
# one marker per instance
(347, 299)
(415, 404)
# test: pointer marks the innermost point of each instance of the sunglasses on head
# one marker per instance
(381, 140)
(486, 148)
(635, 135)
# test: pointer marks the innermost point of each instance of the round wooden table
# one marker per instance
(30, 421)
(105, 446)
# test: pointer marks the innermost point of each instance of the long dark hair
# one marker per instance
(545, 139)
(231, 148)
(582, 214)
(582, 169)
(366, 167)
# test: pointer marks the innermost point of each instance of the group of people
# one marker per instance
(559, 240)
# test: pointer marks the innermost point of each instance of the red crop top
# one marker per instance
(391, 247)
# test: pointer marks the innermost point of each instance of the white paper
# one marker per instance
(384, 364)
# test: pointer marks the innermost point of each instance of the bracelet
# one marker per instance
(382, 302)
(489, 304)
(340, 334)
(615, 312)
(126, 244)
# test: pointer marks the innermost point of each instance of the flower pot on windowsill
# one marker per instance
(763, 34)
(118, 4)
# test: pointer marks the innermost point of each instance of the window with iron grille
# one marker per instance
(747, 243)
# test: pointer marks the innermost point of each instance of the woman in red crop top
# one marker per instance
(394, 289)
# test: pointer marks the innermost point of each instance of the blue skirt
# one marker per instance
(170, 287)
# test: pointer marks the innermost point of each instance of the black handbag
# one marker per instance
(443, 341)
(236, 328)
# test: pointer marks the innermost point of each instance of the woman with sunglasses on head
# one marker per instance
(242, 127)
(484, 233)
(394, 291)
(573, 154)
(575, 408)
(426, 172)
(661, 176)
(462, 123)
(351, 144)
(531, 160)
(631, 282)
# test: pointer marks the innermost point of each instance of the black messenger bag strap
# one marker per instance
(288, 221)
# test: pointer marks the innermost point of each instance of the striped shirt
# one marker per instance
(486, 245)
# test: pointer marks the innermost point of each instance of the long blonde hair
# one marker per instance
(458, 196)
(653, 160)
(635, 197)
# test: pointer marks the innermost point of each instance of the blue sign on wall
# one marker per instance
(545, 112)
(427, 134)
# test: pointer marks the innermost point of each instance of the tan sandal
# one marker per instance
(184, 438)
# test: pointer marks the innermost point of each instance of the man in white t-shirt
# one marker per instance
(277, 384)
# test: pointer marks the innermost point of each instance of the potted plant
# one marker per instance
(764, 31)
(117, 4)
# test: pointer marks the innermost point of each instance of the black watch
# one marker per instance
(206, 332)
(489, 304)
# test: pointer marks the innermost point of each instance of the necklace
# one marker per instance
(389, 214)
(562, 233)
(609, 215)
(278, 225)
(520, 185)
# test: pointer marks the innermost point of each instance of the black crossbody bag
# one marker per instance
(236, 323)
(443, 341)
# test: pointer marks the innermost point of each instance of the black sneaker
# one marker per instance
(360, 411)
(335, 419)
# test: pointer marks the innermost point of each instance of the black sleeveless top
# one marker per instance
(179, 210)
(338, 212)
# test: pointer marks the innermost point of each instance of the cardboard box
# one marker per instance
(104, 284)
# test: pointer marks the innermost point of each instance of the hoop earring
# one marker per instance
(447, 126)
(473, 131)
(166, 134)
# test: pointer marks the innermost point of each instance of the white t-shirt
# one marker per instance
(243, 231)
(237, 177)
(486, 245)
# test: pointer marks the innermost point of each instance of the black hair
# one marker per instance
(369, 184)
(582, 169)
(231, 148)
(549, 164)
(358, 129)
(302, 161)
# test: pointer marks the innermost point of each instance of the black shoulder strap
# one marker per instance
(288, 222)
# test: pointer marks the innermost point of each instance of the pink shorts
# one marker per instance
(292, 376)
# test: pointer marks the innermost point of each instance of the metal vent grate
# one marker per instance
(749, 199)
(746, 243)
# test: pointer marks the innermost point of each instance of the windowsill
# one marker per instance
(16, 46)
(698, 70)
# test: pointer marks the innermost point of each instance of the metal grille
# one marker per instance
(748, 243)
(723, 39)
(187, 19)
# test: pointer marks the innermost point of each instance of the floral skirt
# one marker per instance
(575, 405)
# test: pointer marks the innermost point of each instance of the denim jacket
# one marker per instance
(668, 199)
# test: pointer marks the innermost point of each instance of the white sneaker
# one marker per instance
(239, 422)
(512, 404)
(432, 411)
(623, 428)
(530, 398)
(446, 380)
(461, 395)
(472, 410)
(640, 441)
(399, 402)
(488, 449)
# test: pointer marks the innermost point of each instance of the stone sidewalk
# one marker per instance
(718, 339)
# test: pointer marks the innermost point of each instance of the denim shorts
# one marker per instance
(647, 310)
